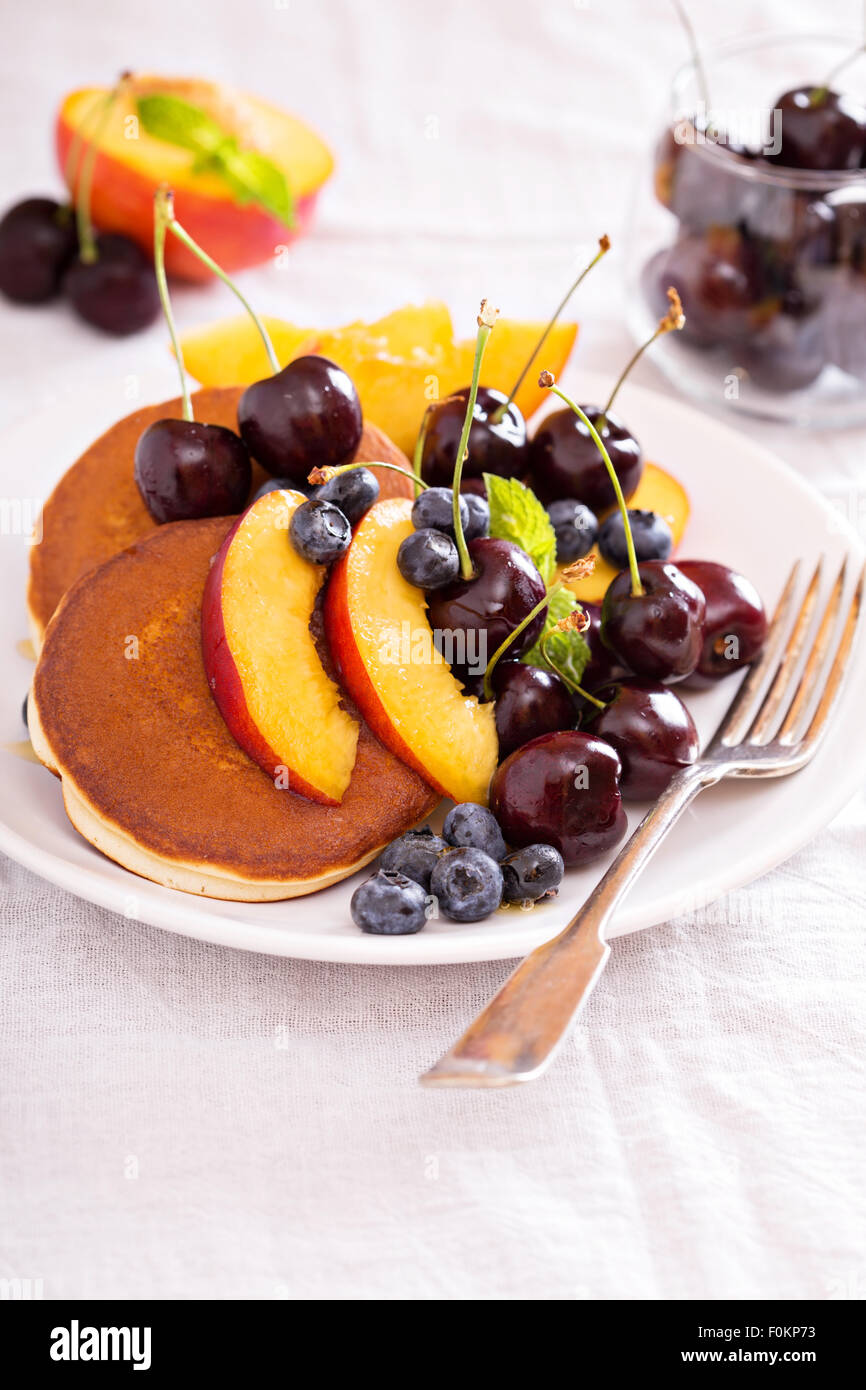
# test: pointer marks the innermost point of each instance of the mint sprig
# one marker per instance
(566, 652)
(517, 515)
(251, 176)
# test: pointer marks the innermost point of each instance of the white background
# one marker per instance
(703, 1134)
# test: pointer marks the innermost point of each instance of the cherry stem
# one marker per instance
(819, 95)
(672, 322)
(84, 184)
(624, 373)
(350, 468)
(521, 627)
(636, 586)
(484, 329)
(572, 684)
(183, 235)
(700, 71)
(604, 247)
(162, 214)
(418, 452)
(76, 146)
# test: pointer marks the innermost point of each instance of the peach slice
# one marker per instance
(381, 640)
(129, 168)
(398, 363)
(261, 661)
(657, 491)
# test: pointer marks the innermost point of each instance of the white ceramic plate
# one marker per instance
(748, 510)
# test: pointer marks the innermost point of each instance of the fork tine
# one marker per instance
(740, 713)
(831, 691)
(794, 723)
(777, 697)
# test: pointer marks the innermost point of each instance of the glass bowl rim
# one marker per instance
(804, 180)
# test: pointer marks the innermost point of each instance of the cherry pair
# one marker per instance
(307, 415)
(47, 248)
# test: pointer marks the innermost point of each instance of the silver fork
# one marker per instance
(521, 1030)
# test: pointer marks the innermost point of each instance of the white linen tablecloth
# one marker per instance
(183, 1121)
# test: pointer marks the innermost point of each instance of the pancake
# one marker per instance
(121, 710)
(96, 509)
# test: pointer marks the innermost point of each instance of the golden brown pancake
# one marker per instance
(96, 509)
(121, 710)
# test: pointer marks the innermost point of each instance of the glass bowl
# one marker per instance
(770, 262)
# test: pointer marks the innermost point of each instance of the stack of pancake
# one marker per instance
(121, 711)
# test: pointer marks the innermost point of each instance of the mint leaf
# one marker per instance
(517, 515)
(566, 652)
(251, 176)
(180, 123)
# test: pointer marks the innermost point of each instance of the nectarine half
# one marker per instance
(130, 164)
(261, 661)
(382, 644)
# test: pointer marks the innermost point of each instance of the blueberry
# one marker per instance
(389, 904)
(281, 485)
(320, 532)
(470, 824)
(435, 508)
(428, 559)
(531, 872)
(479, 516)
(576, 528)
(653, 538)
(414, 855)
(24, 708)
(353, 492)
(467, 884)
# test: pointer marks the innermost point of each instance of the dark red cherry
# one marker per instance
(185, 470)
(565, 462)
(734, 628)
(473, 485)
(658, 633)
(651, 730)
(498, 448)
(306, 416)
(821, 129)
(37, 242)
(472, 617)
(603, 668)
(117, 292)
(790, 350)
(721, 280)
(529, 702)
(700, 186)
(563, 790)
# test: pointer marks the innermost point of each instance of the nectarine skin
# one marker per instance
(235, 236)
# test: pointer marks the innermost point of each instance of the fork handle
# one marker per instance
(519, 1033)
